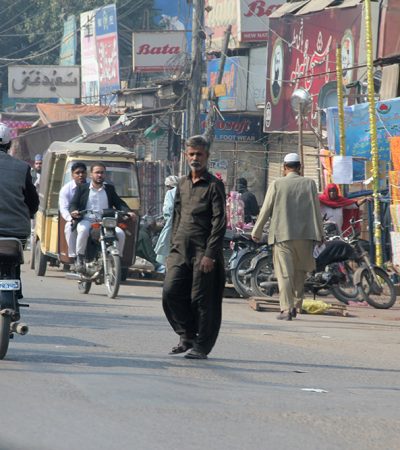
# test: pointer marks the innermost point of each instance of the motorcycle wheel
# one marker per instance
(40, 260)
(240, 280)
(346, 291)
(5, 322)
(380, 297)
(261, 274)
(84, 286)
(112, 275)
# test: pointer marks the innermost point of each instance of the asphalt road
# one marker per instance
(95, 373)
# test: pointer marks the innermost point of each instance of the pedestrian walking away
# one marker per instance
(251, 208)
(163, 245)
(195, 279)
(292, 205)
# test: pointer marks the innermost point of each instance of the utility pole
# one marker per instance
(196, 72)
(211, 115)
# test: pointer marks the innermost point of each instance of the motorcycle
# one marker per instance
(102, 259)
(244, 251)
(11, 256)
(343, 267)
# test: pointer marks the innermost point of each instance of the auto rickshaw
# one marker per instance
(48, 243)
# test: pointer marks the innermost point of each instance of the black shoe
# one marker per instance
(284, 315)
(195, 354)
(80, 264)
(293, 312)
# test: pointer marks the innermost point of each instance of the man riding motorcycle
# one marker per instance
(94, 196)
(19, 200)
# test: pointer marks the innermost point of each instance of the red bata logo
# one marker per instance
(259, 8)
(147, 49)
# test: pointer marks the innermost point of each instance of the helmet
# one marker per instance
(171, 181)
(5, 134)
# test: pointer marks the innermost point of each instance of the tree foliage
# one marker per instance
(31, 31)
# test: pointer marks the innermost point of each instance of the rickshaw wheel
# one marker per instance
(40, 260)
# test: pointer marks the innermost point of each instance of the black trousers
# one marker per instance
(192, 300)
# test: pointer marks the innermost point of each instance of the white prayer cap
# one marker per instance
(291, 158)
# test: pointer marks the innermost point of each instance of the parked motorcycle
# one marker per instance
(344, 267)
(11, 255)
(102, 258)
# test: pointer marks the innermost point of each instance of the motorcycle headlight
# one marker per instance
(109, 222)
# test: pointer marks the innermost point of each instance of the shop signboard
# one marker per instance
(43, 82)
(236, 128)
(235, 80)
(158, 51)
(302, 54)
(389, 41)
(107, 51)
(256, 84)
(253, 21)
(89, 65)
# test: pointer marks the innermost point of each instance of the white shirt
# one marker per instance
(97, 200)
(335, 214)
(64, 200)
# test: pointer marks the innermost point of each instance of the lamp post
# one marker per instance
(300, 102)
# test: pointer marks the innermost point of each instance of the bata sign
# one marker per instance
(158, 51)
(249, 20)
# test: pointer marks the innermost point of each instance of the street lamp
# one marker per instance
(300, 102)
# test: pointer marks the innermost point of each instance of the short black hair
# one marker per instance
(292, 165)
(241, 182)
(78, 165)
(97, 164)
(198, 141)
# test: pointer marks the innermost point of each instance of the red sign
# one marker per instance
(302, 54)
(389, 40)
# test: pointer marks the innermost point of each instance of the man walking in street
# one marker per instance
(292, 205)
(194, 284)
(251, 208)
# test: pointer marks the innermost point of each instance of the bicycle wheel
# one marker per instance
(241, 280)
(5, 322)
(261, 276)
(381, 294)
(112, 275)
(345, 291)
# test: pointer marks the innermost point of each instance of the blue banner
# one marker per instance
(356, 117)
(106, 20)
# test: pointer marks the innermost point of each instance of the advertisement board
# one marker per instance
(89, 66)
(389, 42)
(235, 80)
(158, 51)
(43, 82)
(68, 43)
(302, 54)
(236, 128)
(107, 51)
(253, 20)
(174, 16)
(358, 138)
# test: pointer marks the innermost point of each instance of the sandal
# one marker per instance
(182, 347)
